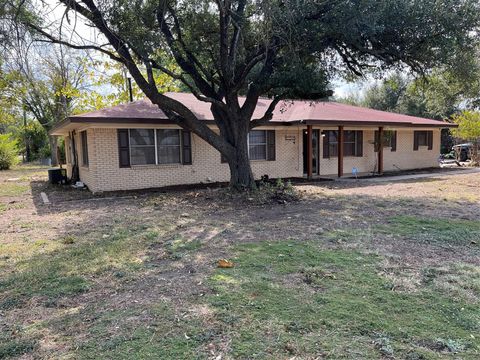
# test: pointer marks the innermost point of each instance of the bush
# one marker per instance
(8, 152)
(277, 190)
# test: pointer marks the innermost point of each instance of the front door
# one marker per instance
(315, 151)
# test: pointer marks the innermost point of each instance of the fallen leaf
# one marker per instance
(222, 263)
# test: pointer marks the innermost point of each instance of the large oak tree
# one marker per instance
(283, 49)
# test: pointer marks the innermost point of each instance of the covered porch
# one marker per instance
(315, 147)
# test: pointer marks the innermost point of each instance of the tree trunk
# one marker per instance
(53, 149)
(241, 176)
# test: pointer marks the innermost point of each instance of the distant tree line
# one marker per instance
(443, 94)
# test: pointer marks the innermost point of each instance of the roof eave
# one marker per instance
(377, 123)
(59, 129)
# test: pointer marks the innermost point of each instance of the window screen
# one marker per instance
(257, 145)
(352, 143)
(142, 146)
(84, 140)
(168, 144)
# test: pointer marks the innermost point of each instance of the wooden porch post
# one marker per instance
(380, 150)
(340, 151)
(309, 151)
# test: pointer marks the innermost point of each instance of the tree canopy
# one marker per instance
(438, 95)
(283, 49)
(469, 129)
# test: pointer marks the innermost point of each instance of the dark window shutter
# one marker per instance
(376, 141)
(326, 145)
(186, 147)
(359, 144)
(271, 145)
(123, 148)
(415, 140)
(394, 141)
(430, 140)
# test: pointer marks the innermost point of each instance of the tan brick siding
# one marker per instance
(68, 156)
(403, 159)
(366, 163)
(206, 166)
(406, 158)
(104, 173)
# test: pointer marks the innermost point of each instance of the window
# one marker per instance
(151, 146)
(349, 143)
(68, 149)
(352, 143)
(422, 138)
(261, 145)
(389, 140)
(331, 138)
(83, 136)
(168, 144)
(257, 145)
(142, 146)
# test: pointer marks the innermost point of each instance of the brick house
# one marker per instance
(135, 146)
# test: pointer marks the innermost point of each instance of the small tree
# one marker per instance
(8, 152)
(469, 129)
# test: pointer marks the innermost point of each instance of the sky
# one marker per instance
(343, 89)
(54, 11)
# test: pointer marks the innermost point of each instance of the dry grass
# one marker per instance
(353, 270)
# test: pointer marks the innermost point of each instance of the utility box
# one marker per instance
(57, 176)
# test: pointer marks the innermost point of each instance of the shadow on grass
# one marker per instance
(141, 288)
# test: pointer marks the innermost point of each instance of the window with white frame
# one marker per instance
(169, 146)
(155, 146)
(257, 145)
(142, 146)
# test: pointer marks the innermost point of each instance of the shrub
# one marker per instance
(276, 191)
(8, 152)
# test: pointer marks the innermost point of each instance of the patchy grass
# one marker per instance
(456, 280)
(13, 189)
(435, 229)
(66, 267)
(11, 348)
(180, 246)
(289, 299)
(344, 273)
(124, 335)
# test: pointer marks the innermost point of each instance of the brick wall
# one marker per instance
(104, 173)
(403, 159)
(206, 165)
(406, 158)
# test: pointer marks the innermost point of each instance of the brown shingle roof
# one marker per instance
(288, 112)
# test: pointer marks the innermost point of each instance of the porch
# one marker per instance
(314, 139)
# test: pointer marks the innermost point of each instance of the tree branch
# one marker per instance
(54, 40)
(268, 115)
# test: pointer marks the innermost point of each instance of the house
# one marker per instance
(135, 146)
